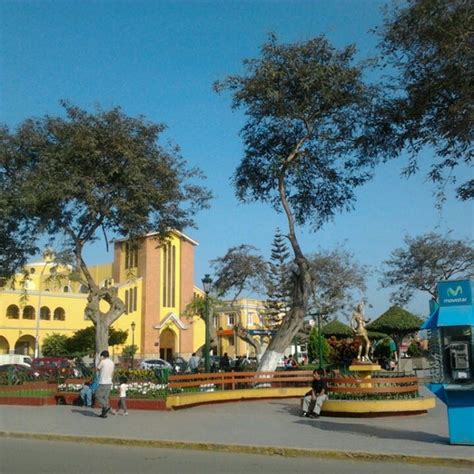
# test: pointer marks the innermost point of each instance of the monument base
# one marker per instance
(358, 366)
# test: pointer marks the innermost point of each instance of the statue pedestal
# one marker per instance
(364, 370)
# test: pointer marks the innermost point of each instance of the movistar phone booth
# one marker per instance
(451, 344)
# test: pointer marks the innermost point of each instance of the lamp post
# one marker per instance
(320, 342)
(133, 325)
(320, 316)
(206, 283)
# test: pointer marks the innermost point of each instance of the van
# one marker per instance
(18, 359)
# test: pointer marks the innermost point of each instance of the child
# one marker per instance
(123, 395)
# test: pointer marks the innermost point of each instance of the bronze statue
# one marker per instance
(358, 323)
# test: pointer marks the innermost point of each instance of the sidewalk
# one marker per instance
(268, 423)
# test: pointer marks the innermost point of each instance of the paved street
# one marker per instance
(59, 457)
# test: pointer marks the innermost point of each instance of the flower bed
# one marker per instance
(148, 390)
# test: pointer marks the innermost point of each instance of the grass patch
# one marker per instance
(28, 393)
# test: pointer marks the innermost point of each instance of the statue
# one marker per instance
(358, 323)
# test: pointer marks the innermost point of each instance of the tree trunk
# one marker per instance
(302, 285)
(291, 324)
(243, 334)
(213, 340)
(102, 321)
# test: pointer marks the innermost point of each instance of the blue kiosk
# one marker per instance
(451, 343)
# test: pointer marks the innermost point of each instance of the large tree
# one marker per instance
(306, 146)
(85, 175)
(428, 44)
(423, 262)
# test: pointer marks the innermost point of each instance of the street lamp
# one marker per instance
(133, 325)
(320, 316)
(206, 283)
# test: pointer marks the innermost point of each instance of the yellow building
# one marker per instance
(248, 313)
(156, 282)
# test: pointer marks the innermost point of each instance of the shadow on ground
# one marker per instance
(85, 412)
(325, 424)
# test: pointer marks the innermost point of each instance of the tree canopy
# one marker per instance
(337, 329)
(429, 44)
(241, 268)
(82, 342)
(423, 262)
(335, 275)
(396, 323)
(308, 110)
(75, 178)
(55, 345)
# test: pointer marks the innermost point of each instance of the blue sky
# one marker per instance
(160, 58)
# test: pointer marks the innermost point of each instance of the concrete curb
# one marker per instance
(246, 449)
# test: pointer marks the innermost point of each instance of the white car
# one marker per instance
(155, 364)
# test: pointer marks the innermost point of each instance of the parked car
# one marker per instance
(15, 359)
(53, 366)
(153, 364)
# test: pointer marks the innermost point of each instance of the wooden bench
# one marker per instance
(240, 380)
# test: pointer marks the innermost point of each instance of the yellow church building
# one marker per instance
(156, 282)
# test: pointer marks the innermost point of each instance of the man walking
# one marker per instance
(194, 363)
(313, 400)
(106, 372)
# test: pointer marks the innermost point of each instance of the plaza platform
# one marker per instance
(264, 426)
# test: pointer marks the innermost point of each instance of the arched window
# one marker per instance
(13, 312)
(67, 289)
(59, 314)
(84, 289)
(45, 313)
(29, 312)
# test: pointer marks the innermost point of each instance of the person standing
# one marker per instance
(225, 362)
(106, 372)
(313, 400)
(194, 363)
(122, 405)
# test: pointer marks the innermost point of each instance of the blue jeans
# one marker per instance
(86, 395)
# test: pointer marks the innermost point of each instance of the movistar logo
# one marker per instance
(454, 291)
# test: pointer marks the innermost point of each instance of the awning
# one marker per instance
(432, 321)
(450, 316)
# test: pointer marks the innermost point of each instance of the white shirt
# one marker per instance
(123, 390)
(106, 371)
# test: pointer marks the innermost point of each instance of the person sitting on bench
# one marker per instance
(313, 400)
